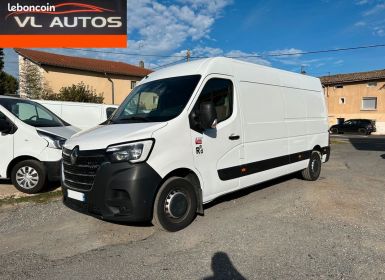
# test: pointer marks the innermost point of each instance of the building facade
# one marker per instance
(114, 80)
(356, 96)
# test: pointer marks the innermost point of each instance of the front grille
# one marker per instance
(81, 175)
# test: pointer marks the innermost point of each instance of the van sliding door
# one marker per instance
(264, 132)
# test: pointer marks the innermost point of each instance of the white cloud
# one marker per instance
(360, 23)
(375, 10)
(361, 2)
(338, 62)
(293, 57)
(283, 53)
(372, 17)
(379, 31)
(249, 57)
(203, 52)
(163, 28)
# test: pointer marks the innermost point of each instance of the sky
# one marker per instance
(250, 28)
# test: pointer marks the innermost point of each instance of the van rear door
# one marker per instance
(217, 149)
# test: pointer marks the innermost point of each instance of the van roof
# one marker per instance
(9, 97)
(73, 103)
(232, 67)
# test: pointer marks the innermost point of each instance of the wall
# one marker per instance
(353, 94)
(57, 77)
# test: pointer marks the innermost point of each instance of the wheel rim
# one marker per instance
(176, 204)
(27, 177)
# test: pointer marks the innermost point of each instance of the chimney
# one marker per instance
(141, 64)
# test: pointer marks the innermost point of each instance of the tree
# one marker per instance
(8, 84)
(77, 93)
(1, 60)
(31, 80)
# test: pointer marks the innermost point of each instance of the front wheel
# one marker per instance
(29, 176)
(175, 204)
(313, 170)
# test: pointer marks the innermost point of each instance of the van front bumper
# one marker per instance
(121, 192)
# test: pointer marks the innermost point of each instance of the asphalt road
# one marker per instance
(285, 229)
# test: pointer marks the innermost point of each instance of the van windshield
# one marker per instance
(32, 113)
(156, 101)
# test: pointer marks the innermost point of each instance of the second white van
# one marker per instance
(31, 139)
(79, 114)
(191, 133)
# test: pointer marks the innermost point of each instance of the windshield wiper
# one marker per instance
(132, 118)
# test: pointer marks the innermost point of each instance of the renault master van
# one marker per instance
(191, 133)
(31, 139)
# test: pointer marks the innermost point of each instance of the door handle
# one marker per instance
(234, 137)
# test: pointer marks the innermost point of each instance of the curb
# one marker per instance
(19, 197)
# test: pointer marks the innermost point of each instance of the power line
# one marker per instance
(240, 56)
(183, 57)
(123, 53)
(311, 52)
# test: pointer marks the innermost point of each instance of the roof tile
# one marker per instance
(353, 77)
(81, 63)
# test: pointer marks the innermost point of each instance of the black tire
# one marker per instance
(313, 170)
(175, 205)
(363, 131)
(35, 176)
(334, 130)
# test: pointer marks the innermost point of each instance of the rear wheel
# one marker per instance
(313, 170)
(363, 131)
(334, 130)
(29, 176)
(175, 204)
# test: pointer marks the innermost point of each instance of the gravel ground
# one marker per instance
(285, 229)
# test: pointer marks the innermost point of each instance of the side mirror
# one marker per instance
(5, 126)
(208, 115)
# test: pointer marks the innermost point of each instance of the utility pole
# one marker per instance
(303, 70)
(188, 55)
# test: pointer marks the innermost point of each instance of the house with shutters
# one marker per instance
(358, 95)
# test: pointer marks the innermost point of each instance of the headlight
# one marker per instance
(133, 152)
(53, 140)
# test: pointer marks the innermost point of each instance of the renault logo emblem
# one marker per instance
(74, 155)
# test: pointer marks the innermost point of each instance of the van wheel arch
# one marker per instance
(16, 161)
(317, 148)
(189, 175)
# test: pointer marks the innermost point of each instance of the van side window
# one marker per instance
(2, 116)
(43, 114)
(220, 92)
(24, 111)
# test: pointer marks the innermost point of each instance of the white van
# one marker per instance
(31, 139)
(191, 133)
(78, 114)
